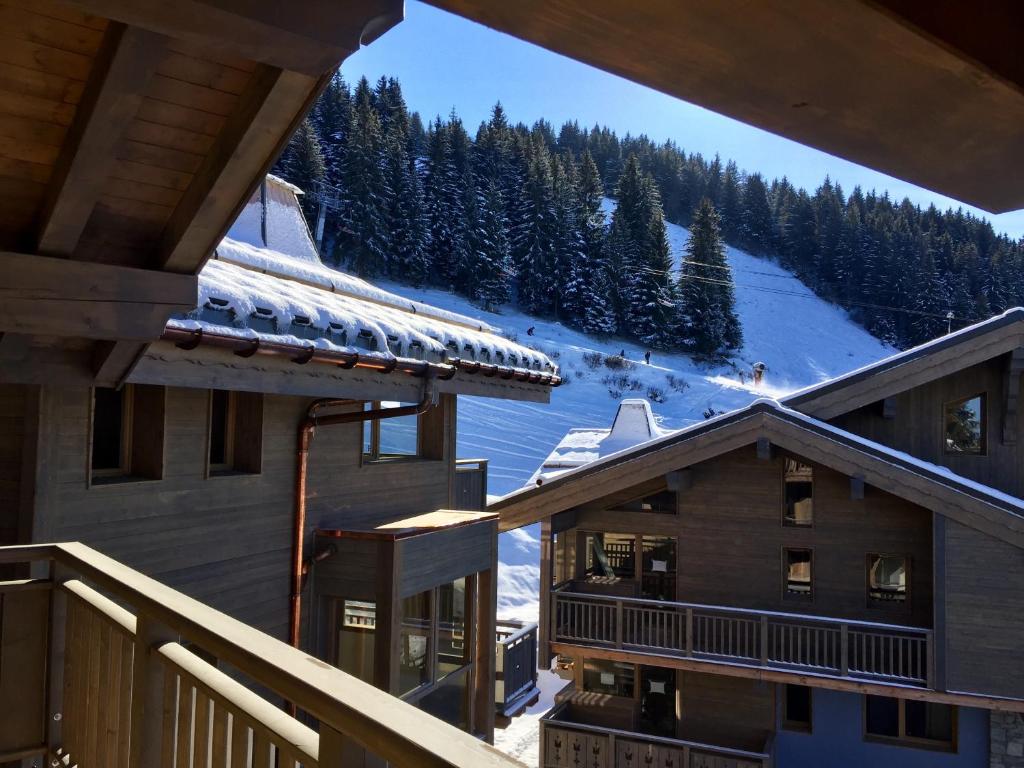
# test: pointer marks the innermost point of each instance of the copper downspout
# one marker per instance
(305, 437)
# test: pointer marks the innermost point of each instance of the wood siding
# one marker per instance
(713, 705)
(984, 621)
(13, 406)
(730, 539)
(225, 540)
(917, 424)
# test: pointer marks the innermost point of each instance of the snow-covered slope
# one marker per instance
(800, 338)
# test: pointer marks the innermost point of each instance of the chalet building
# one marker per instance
(838, 573)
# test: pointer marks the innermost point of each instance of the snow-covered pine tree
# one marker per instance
(363, 235)
(438, 195)
(639, 244)
(706, 316)
(533, 250)
(568, 277)
(465, 204)
(731, 205)
(406, 228)
(756, 226)
(492, 253)
(331, 117)
(302, 162)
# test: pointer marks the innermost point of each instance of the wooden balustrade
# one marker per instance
(470, 485)
(565, 744)
(130, 683)
(784, 641)
(516, 664)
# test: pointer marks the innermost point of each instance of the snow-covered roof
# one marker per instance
(286, 295)
(634, 423)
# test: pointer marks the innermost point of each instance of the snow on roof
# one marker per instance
(288, 296)
(634, 424)
(1012, 315)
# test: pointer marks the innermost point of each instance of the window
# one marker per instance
(611, 677)
(357, 625)
(453, 649)
(798, 574)
(127, 434)
(611, 555)
(798, 493)
(663, 503)
(965, 426)
(796, 707)
(235, 432)
(915, 723)
(887, 579)
(394, 438)
(415, 656)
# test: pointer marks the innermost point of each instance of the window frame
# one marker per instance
(798, 726)
(143, 411)
(889, 605)
(902, 739)
(793, 597)
(123, 469)
(374, 456)
(243, 457)
(435, 679)
(983, 440)
(228, 465)
(783, 506)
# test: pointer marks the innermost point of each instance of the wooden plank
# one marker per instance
(24, 620)
(50, 31)
(112, 97)
(265, 115)
(65, 298)
(113, 361)
(311, 39)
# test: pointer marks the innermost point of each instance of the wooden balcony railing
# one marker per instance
(516, 664)
(471, 484)
(567, 744)
(103, 667)
(785, 641)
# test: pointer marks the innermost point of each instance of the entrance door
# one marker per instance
(657, 701)
(658, 574)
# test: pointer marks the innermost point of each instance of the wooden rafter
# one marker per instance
(273, 104)
(126, 62)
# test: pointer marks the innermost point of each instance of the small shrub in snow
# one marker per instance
(513, 337)
(579, 374)
(710, 413)
(619, 363)
(592, 359)
(635, 385)
(622, 383)
(656, 394)
(676, 382)
(554, 354)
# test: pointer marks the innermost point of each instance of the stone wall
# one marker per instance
(1006, 734)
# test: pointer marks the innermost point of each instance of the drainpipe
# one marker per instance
(305, 437)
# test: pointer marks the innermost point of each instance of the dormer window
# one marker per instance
(964, 428)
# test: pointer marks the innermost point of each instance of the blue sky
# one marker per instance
(444, 61)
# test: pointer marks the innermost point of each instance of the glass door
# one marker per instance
(658, 574)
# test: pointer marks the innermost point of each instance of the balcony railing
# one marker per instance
(784, 641)
(103, 667)
(565, 743)
(516, 664)
(471, 484)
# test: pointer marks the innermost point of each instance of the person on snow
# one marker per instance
(647, 357)
(530, 330)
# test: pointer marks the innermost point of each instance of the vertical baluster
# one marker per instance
(689, 631)
(844, 641)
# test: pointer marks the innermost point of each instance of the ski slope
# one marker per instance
(800, 338)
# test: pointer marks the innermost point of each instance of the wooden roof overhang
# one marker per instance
(918, 482)
(947, 354)
(930, 92)
(131, 134)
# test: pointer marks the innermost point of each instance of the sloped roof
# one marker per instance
(895, 472)
(255, 293)
(904, 370)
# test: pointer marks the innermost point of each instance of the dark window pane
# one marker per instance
(798, 572)
(660, 503)
(358, 622)
(416, 655)
(798, 705)
(799, 485)
(965, 420)
(887, 578)
(658, 577)
(449, 702)
(107, 428)
(219, 427)
(882, 715)
(613, 677)
(452, 650)
(398, 435)
(927, 720)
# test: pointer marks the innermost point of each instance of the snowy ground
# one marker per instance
(801, 339)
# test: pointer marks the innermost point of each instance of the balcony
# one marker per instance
(567, 742)
(516, 666)
(101, 666)
(786, 642)
(470, 484)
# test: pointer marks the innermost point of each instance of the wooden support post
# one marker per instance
(857, 487)
(546, 581)
(618, 624)
(689, 631)
(55, 664)
(1011, 394)
(147, 714)
(387, 633)
(764, 448)
(486, 650)
(937, 638)
(764, 639)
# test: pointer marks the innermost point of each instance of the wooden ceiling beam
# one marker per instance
(127, 60)
(48, 296)
(311, 37)
(269, 110)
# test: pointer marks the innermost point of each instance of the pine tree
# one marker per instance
(568, 277)
(492, 257)
(443, 206)
(363, 234)
(407, 226)
(534, 243)
(331, 118)
(598, 312)
(302, 162)
(756, 226)
(731, 206)
(707, 319)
